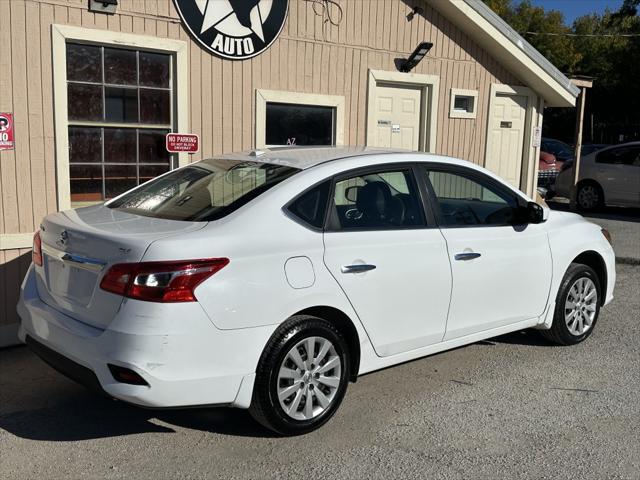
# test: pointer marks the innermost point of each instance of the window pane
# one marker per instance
(147, 172)
(86, 183)
(84, 63)
(119, 145)
(152, 146)
(118, 179)
(299, 124)
(384, 200)
(85, 145)
(463, 103)
(154, 69)
(121, 105)
(311, 207)
(465, 201)
(120, 66)
(154, 106)
(85, 102)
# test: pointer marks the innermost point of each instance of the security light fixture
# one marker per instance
(414, 59)
(103, 6)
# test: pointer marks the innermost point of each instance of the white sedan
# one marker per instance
(610, 176)
(270, 280)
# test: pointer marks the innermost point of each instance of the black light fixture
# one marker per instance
(414, 59)
(103, 6)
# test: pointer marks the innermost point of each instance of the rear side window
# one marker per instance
(204, 191)
(384, 200)
(311, 206)
(620, 156)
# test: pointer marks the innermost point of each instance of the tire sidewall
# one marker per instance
(575, 272)
(278, 418)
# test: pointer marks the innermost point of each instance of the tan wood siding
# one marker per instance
(310, 56)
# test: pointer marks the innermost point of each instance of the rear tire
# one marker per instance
(296, 391)
(577, 306)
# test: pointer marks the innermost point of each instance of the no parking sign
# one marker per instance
(6, 131)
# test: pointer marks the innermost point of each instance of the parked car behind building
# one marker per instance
(607, 177)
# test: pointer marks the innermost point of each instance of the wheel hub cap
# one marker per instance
(309, 378)
(580, 306)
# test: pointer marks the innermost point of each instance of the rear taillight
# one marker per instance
(36, 254)
(161, 281)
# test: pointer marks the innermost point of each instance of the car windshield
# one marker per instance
(204, 191)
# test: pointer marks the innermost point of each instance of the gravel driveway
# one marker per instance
(512, 407)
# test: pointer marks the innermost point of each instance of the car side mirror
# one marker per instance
(534, 213)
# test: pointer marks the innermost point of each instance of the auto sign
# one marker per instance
(234, 29)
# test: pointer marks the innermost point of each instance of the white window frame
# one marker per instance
(61, 34)
(459, 92)
(277, 96)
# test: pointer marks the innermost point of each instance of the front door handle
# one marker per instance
(357, 268)
(466, 256)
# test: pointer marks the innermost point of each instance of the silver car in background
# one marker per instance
(610, 176)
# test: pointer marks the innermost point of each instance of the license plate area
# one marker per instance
(69, 282)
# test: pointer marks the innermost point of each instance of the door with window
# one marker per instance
(617, 170)
(392, 265)
(501, 268)
(120, 107)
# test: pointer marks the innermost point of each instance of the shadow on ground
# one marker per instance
(37, 403)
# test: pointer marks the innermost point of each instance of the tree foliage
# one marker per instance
(594, 45)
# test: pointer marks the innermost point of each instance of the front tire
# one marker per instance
(577, 306)
(302, 376)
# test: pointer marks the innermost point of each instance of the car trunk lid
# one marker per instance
(79, 246)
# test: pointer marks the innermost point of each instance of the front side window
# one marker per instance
(620, 156)
(294, 124)
(379, 200)
(204, 191)
(119, 105)
(467, 200)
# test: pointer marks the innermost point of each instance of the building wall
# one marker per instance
(309, 56)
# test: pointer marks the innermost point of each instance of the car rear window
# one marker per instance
(204, 191)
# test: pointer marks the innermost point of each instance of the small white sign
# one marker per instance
(395, 128)
(537, 137)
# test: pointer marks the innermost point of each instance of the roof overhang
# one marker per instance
(509, 48)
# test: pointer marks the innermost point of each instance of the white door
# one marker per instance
(393, 269)
(501, 272)
(506, 137)
(397, 117)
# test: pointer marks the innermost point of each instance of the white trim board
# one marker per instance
(430, 85)
(14, 241)
(60, 35)
(296, 98)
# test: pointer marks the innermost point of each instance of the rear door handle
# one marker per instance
(357, 268)
(466, 256)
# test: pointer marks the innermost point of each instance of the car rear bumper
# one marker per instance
(184, 359)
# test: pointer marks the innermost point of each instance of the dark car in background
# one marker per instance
(562, 151)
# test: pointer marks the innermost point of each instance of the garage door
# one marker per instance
(397, 117)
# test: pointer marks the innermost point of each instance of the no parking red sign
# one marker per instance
(6, 131)
(182, 142)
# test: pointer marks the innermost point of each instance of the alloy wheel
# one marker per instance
(588, 197)
(580, 306)
(308, 378)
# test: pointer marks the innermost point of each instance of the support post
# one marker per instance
(583, 83)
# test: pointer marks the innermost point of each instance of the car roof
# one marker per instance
(307, 157)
